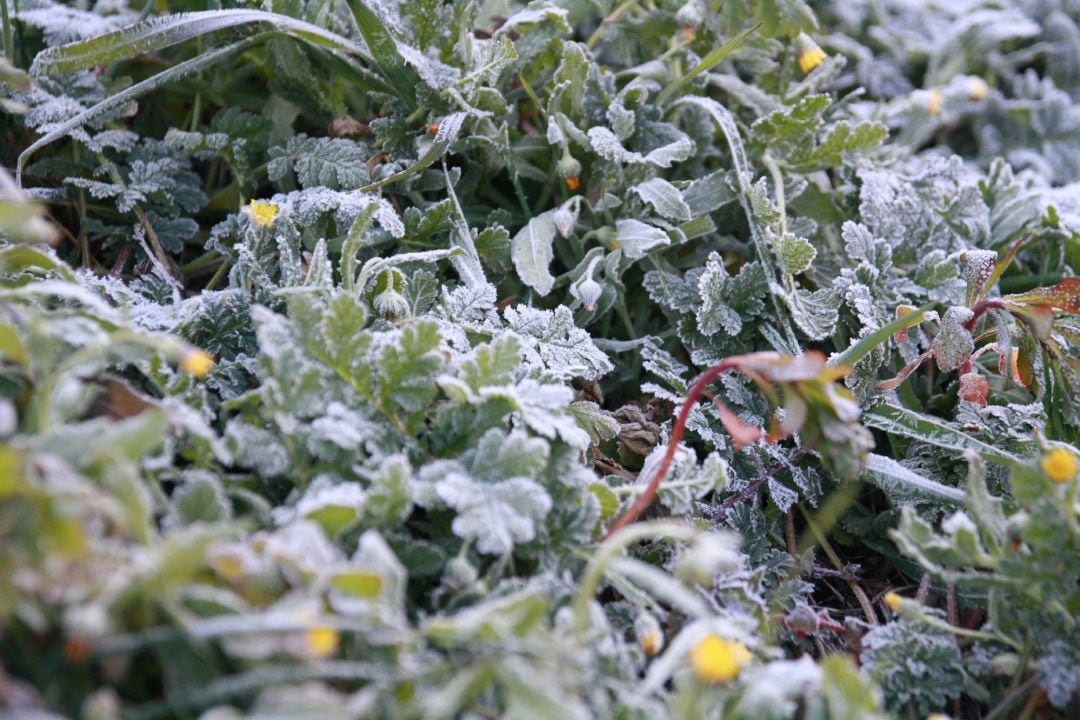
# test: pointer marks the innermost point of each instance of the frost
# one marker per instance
(665, 199)
(795, 254)
(531, 250)
(553, 344)
(637, 238)
(498, 503)
(953, 344)
(607, 145)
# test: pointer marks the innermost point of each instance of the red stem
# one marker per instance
(645, 499)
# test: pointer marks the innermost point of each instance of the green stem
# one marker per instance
(9, 33)
(613, 16)
(608, 552)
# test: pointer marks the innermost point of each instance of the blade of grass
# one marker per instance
(707, 63)
(159, 33)
(901, 421)
(859, 350)
(385, 55)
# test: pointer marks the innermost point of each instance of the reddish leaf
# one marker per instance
(974, 388)
(1064, 296)
(741, 432)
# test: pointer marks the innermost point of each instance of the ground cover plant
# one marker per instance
(577, 359)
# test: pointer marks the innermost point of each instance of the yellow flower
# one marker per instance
(197, 362)
(1059, 465)
(933, 103)
(810, 53)
(892, 601)
(716, 659)
(573, 183)
(977, 88)
(262, 212)
(321, 642)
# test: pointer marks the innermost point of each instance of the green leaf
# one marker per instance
(385, 54)
(784, 17)
(532, 252)
(492, 364)
(901, 421)
(901, 482)
(597, 422)
(636, 238)
(407, 368)
(121, 99)
(795, 254)
(151, 36)
(364, 585)
(335, 163)
(707, 63)
(664, 198)
(865, 345)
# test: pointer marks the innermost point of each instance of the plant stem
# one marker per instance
(645, 499)
(9, 33)
(613, 16)
(614, 543)
(856, 589)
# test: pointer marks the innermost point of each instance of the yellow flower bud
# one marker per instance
(893, 601)
(197, 362)
(977, 88)
(810, 53)
(321, 642)
(649, 635)
(933, 103)
(716, 660)
(1059, 465)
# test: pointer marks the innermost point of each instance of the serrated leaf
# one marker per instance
(498, 515)
(815, 313)
(794, 254)
(408, 367)
(492, 364)
(597, 422)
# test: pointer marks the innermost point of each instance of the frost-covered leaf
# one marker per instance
(664, 198)
(953, 344)
(532, 252)
(552, 344)
(814, 312)
(407, 367)
(794, 254)
(335, 163)
(636, 238)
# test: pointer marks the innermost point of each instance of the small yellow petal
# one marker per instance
(933, 104)
(262, 212)
(1059, 465)
(892, 601)
(197, 362)
(716, 660)
(321, 641)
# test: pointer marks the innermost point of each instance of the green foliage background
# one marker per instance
(494, 246)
